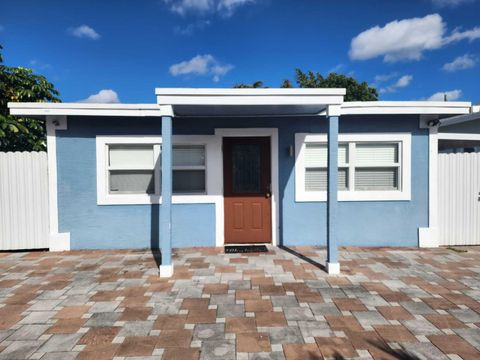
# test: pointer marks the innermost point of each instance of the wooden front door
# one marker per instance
(247, 190)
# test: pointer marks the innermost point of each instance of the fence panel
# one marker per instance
(459, 198)
(23, 200)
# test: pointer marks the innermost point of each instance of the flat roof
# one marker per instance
(406, 107)
(204, 102)
(85, 109)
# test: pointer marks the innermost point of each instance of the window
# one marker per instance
(370, 167)
(129, 169)
(188, 169)
(316, 167)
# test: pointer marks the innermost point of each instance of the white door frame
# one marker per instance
(252, 132)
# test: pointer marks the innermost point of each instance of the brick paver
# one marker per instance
(387, 304)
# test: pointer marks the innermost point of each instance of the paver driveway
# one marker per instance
(388, 303)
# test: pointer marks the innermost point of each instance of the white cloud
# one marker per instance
(228, 7)
(201, 65)
(458, 35)
(85, 31)
(385, 77)
(191, 28)
(402, 82)
(450, 3)
(452, 95)
(406, 39)
(223, 7)
(106, 96)
(466, 61)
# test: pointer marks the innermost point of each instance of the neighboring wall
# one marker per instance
(382, 223)
(469, 127)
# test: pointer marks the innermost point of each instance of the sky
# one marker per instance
(119, 51)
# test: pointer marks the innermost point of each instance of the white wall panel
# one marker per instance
(459, 198)
(23, 201)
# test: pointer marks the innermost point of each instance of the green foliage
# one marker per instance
(255, 85)
(18, 84)
(287, 84)
(356, 91)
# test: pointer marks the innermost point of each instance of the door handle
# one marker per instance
(268, 195)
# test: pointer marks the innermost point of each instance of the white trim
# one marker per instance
(405, 107)
(333, 268)
(251, 132)
(212, 182)
(458, 136)
(60, 242)
(428, 237)
(166, 271)
(249, 92)
(248, 97)
(57, 241)
(321, 196)
(88, 109)
(334, 110)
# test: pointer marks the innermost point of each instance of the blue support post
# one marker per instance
(166, 268)
(333, 266)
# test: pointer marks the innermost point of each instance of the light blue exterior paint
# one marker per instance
(116, 226)
(380, 223)
(166, 206)
(332, 190)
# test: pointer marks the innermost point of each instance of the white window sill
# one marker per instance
(355, 196)
(135, 199)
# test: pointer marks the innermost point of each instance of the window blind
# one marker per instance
(376, 154)
(316, 179)
(132, 181)
(368, 179)
(192, 155)
(131, 156)
(316, 155)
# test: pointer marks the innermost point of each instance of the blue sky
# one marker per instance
(109, 51)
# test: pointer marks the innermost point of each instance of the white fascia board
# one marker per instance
(250, 100)
(86, 109)
(405, 107)
(188, 96)
(248, 92)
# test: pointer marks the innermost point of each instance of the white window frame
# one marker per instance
(212, 173)
(404, 141)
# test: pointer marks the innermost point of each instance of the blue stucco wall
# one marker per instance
(386, 223)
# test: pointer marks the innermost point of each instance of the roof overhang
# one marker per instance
(405, 108)
(474, 115)
(248, 102)
(39, 109)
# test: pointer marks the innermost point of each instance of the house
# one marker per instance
(208, 167)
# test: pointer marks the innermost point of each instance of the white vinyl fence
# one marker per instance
(459, 198)
(23, 200)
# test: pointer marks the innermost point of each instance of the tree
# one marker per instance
(255, 85)
(18, 84)
(286, 84)
(356, 91)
